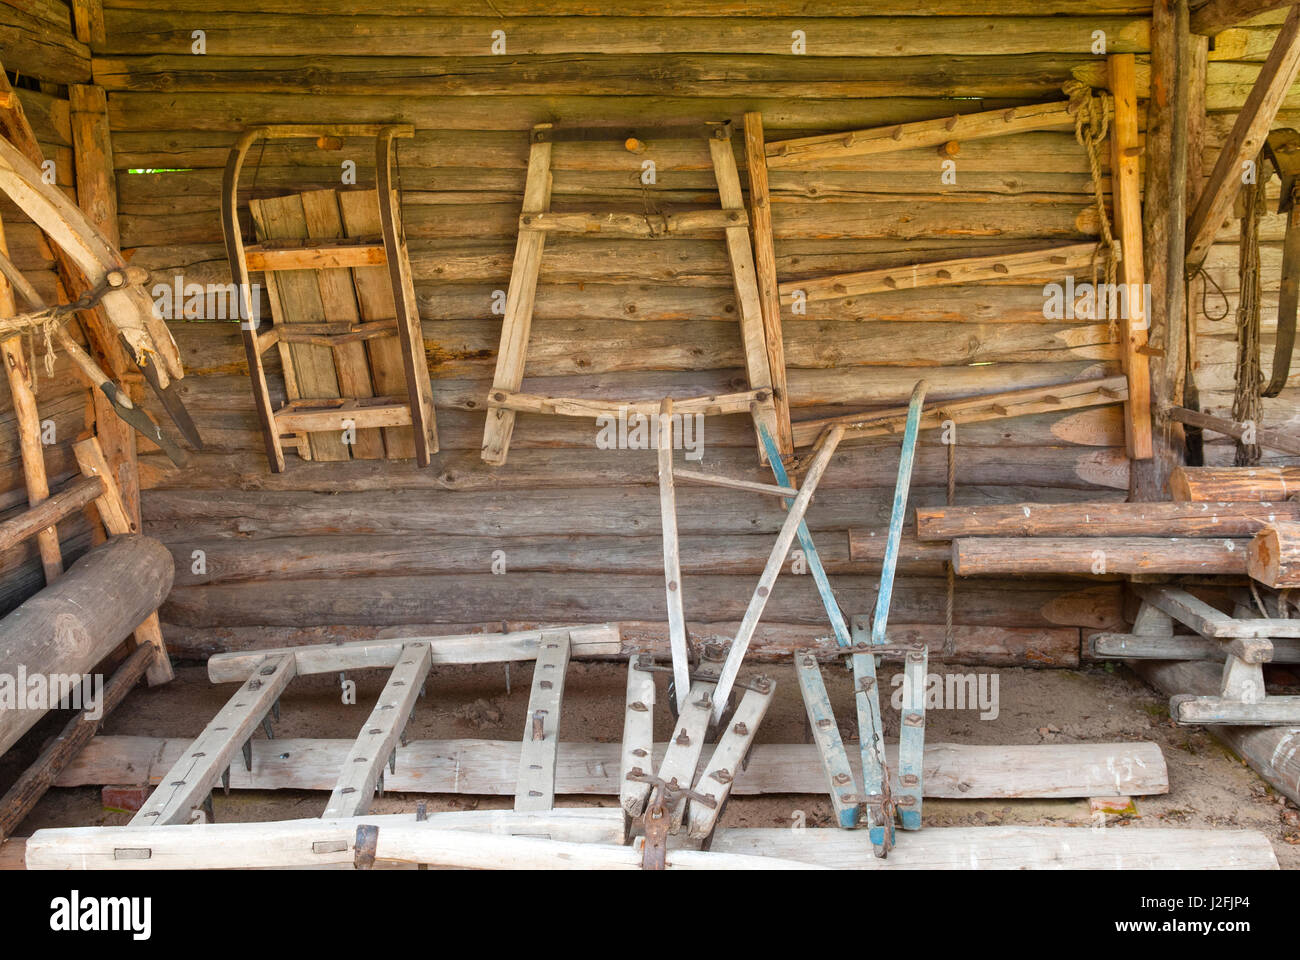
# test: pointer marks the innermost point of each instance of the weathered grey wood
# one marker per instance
(1133, 646)
(536, 780)
(730, 758)
(68, 627)
(1208, 621)
(638, 739)
(1014, 848)
(186, 786)
(376, 743)
(1100, 519)
(682, 755)
(672, 555)
(839, 781)
(592, 639)
(1098, 555)
(490, 767)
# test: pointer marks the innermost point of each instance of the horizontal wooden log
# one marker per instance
(1234, 483)
(1183, 519)
(973, 556)
(490, 768)
(1269, 439)
(1182, 647)
(773, 642)
(1273, 555)
(1207, 620)
(1015, 848)
(62, 504)
(632, 225)
(696, 8)
(35, 49)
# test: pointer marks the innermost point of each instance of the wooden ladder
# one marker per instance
(537, 221)
(326, 335)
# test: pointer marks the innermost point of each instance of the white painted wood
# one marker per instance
(536, 779)
(601, 639)
(724, 767)
(187, 784)
(489, 767)
(638, 738)
(1013, 848)
(377, 739)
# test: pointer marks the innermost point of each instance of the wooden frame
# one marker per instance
(318, 413)
(536, 221)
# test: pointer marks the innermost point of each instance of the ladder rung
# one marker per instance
(330, 414)
(321, 256)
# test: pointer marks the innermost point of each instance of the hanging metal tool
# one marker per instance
(1282, 149)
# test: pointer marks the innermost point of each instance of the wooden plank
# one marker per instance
(1206, 620)
(490, 767)
(1052, 261)
(733, 483)
(1273, 556)
(1215, 16)
(634, 225)
(536, 780)
(713, 405)
(993, 406)
(1094, 519)
(584, 640)
(320, 256)
(1126, 179)
(337, 416)
(681, 757)
(185, 787)
(74, 495)
(1014, 848)
(729, 757)
(117, 521)
(1240, 484)
(339, 305)
(839, 781)
(1244, 142)
(776, 559)
(1271, 439)
(517, 321)
(672, 558)
(376, 743)
(295, 298)
(925, 133)
(294, 843)
(760, 203)
(1098, 555)
(753, 332)
(636, 756)
(360, 209)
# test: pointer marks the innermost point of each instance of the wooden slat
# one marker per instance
(760, 202)
(1133, 646)
(1243, 144)
(632, 224)
(733, 483)
(1056, 262)
(672, 559)
(369, 413)
(345, 253)
(377, 740)
(1206, 620)
(1126, 179)
(926, 133)
(726, 765)
(717, 404)
(187, 784)
(637, 752)
(686, 745)
(517, 322)
(834, 759)
(1098, 555)
(535, 789)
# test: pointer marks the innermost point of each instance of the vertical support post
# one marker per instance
(518, 320)
(760, 222)
(1127, 193)
(672, 559)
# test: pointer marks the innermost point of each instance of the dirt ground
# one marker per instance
(1209, 786)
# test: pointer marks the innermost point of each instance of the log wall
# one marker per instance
(374, 545)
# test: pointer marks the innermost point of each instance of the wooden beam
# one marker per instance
(733, 483)
(317, 256)
(926, 133)
(636, 755)
(1163, 519)
(681, 757)
(1206, 620)
(1051, 262)
(718, 404)
(672, 559)
(535, 788)
(760, 203)
(376, 743)
(1137, 646)
(1273, 557)
(1127, 191)
(1244, 142)
(689, 223)
(186, 786)
(1247, 484)
(1215, 16)
(838, 775)
(76, 494)
(1272, 439)
(1097, 555)
(992, 406)
(729, 758)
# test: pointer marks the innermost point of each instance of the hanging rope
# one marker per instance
(1092, 112)
(1249, 378)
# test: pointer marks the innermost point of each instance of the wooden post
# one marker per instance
(760, 221)
(1127, 192)
(672, 558)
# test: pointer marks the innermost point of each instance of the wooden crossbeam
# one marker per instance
(991, 406)
(722, 403)
(74, 495)
(535, 785)
(1048, 263)
(729, 758)
(185, 787)
(327, 415)
(925, 133)
(376, 743)
(688, 223)
(1272, 439)
(1206, 620)
(1126, 180)
(638, 738)
(319, 255)
(1249, 132)
(1134, 646)
(733, 483)
(1215, 16)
